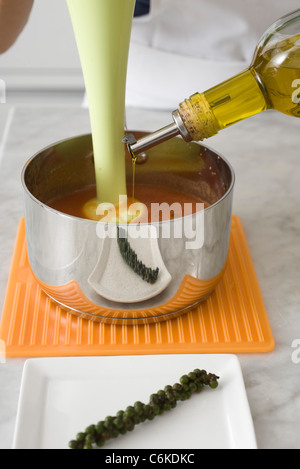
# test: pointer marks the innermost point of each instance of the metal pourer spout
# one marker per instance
(177, 128)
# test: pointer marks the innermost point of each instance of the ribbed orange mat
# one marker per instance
(232, 320)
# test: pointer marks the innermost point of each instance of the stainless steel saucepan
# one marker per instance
(78, 262)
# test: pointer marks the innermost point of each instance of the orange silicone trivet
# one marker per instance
(232, 320)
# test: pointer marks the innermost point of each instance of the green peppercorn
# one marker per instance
(114, 433)
(73, 444)
(213, 384)
(105, 434)
(108, 423)
(129, 411)
(150, 415)
(200, 387)
(168, 389)
(80, 436)
(192, 376)
(186, 387)
(170, 397)
(130, 426)
(138, 408)
(89, 438)
(166, 406)
(136, 419)
(177, 387)
(118, 422)
(156, 409)
(100, 442)
(184, 379)
(138, 404)
(90, 430)
(192, 387)
(100, 427)
(154, 399)
(88, 446)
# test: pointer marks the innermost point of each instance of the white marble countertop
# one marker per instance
(264, 152)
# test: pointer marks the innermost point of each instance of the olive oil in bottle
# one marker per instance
(272, 81)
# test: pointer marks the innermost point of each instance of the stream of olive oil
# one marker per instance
(134, 158)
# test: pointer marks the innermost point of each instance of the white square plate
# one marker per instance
(62, 396)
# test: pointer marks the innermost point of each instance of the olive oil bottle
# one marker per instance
(272, 81)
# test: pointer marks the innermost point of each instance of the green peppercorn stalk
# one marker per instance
(125, 421)
(148, 274)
